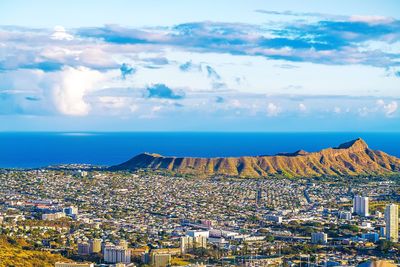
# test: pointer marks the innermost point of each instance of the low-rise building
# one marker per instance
(73, 264)
(53, 216)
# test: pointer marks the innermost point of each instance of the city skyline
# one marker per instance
(157, 66)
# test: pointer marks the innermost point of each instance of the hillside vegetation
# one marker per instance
(17, 253)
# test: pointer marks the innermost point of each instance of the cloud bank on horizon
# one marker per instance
(293, 69)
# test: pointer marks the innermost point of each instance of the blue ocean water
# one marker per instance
(25, 150)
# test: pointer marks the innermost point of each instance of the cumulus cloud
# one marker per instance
(189, 66)
(388, 108)
(302, 107)
(163, 91)
(337, 110)
(216, 80)
(334, 40)
(94, 58)
(273, 109)
(235, 103)
(186, 66)
(126, 70)
(157, 60)
(69, 87)
(61, 34)
(219, 99)
(211, 73)
(156, 108)
(363, 111)
(118, 104)
(63, 70)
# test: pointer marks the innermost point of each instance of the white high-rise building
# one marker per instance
(361, 205)
(196, 233)
(115, 254)
(392, 222)
(189, 242)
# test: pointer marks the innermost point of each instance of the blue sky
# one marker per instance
(199, 65)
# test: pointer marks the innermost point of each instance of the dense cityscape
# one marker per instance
(171, 133)
(101, 218)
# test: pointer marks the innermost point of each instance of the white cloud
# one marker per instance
(60, 54)
(373, 19)
(156, 108)
(133, 107)
(337, 110)
(112, 102)
(363, 111)
(302, 107)
(69, 87)
(36, 68)
(61, 34)
(389, 109)
(273, 109)
(380, 102)
(96, 57)
(235, 103)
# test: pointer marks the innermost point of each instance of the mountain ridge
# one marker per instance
(350, 158)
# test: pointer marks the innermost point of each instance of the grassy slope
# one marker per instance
(13, 254)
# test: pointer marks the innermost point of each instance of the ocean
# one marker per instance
(27, 150)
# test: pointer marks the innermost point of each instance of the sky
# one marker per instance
(199, 65)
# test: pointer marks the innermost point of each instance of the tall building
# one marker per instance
(83, 248)
(123, 243)
(186, 243)
(258, 196)
(382, 231)
(115, 254)
(190, 242)
(71, 210)
(161, 260)
(95, 245)
(319, 238)
(361, 205)
(392, 222)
